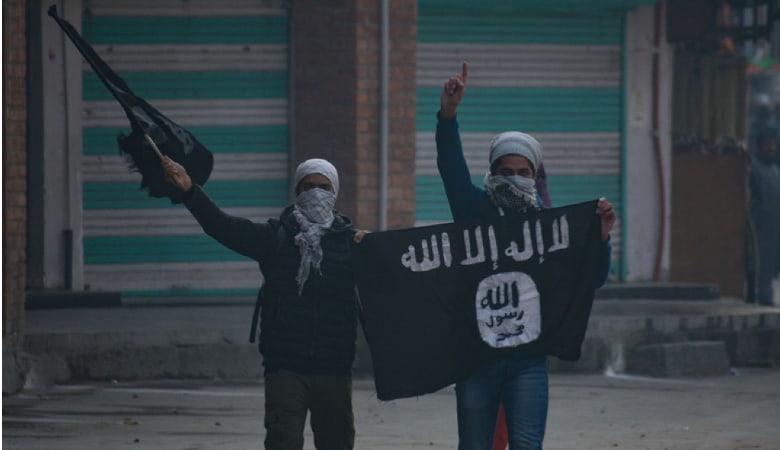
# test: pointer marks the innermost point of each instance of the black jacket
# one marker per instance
(311, 333)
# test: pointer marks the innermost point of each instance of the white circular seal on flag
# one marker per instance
(508, 311)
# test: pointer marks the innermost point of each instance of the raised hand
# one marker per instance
(176, 174)
(607, 213)
(452, 94)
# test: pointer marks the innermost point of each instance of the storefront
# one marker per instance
(554, 70)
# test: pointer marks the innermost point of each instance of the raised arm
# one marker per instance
(253, 240)
(462, 195)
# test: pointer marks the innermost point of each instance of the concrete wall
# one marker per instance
(14, 190)
(647, 190)
(336, 101)
(54, 157)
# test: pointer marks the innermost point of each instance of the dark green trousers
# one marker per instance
(289, 396)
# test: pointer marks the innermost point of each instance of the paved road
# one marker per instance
(740, 411)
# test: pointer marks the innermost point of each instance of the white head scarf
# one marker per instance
(320, 166)
(516, 143)
(513, 192)
(313, 210)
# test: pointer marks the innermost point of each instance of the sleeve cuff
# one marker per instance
(187, 197)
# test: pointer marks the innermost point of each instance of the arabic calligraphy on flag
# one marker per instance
(438, 301)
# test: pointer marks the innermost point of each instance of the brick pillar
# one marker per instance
(324, 89)
(403, 113)
(335, 67)
(14, 190)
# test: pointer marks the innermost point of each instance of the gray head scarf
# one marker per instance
(313, 210)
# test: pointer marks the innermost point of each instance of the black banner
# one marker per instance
(438, 301)
(147, 125)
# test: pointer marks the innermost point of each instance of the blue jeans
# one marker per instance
(521, 385)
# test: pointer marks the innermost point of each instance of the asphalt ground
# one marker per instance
(740, 410)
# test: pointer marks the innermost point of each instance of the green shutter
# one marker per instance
(219, 70)
(533, 69)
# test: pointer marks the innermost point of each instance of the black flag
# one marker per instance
(439, 301)
(151, 130)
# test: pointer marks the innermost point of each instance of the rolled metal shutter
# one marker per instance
(556, 75)
(220, 69)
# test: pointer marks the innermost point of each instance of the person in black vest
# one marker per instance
(308, 322)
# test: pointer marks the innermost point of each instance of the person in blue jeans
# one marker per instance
(517, 380)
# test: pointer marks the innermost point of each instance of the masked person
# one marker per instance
(501, 439)
(516, 380)
(308, 322)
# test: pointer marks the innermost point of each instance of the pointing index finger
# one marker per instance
(465, 71)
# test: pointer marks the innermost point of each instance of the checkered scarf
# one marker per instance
(512, 192)
(313, 211)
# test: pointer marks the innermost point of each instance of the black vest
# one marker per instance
(314, 332)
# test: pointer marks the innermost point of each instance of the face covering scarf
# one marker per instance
(512, 192)
(313, 211)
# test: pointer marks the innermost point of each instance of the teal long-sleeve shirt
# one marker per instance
(467, 201)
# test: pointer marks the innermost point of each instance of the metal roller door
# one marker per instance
(220, 69)
(556, 75)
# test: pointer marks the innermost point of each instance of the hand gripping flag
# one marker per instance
(153, 135)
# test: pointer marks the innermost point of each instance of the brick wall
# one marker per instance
(324, 89)
(403, 113)
(335, 66)
(14, 191)
(367, 111)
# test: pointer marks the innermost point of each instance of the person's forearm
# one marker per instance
(447, 112)
(236, 233)
(462, 195)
